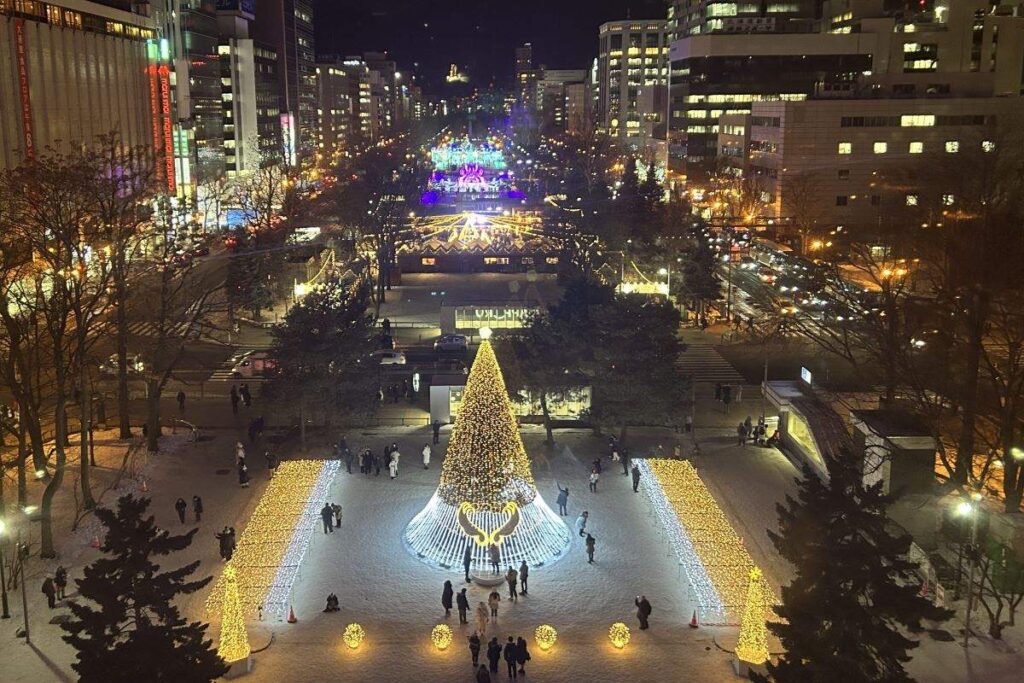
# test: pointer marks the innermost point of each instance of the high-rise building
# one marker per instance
(553, 90)
(526, 79)
(238, 87)
(286, 27)
(71, 71)
(268, 105)
(632, 80)
(694, 17)
(387, 88)
(198, 84)
(335, 111)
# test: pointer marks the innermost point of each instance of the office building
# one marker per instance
(527, 78)
(695, 17)
(386, 86)
(238, 88)
(632, 80)
(268, 106)
(552, 96)
(335, 109)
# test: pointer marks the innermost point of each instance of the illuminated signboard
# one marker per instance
(643, 288)
(245, 7)
(168, 128)
(26, 100)
(496, 317)
(289, 135)
(154, 111)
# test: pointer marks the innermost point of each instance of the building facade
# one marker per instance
(632, 80)
(335, 112)
(695, 17)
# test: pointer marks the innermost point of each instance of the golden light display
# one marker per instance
(485, 538)
(618, 633)
(441, 636)
(752, 646)
(545, 636)
(486, 463)
(718, 547)
(262, 546)
(234, 641)
(353, 635)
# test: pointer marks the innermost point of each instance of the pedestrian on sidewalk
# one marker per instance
(181, 401)
(223, 540)
(563, 498)
(181, 506)
(482, 676)
(726, 398)
(596, 465)
(512, 578)
(495, 557)
(50, 591)
(741, 435)
(581, 523)
(677, 451)
(365, 461)
(493, 655)
(246, 396)
(239, 453)
(481, 617)
(346, 453)
(336, 509)
(493, 600)
(60, 581)
(594, 476)
(625, 461)
(436, 426)
(446, 598)
(522, 655)
(689, 423)
(591, 543)
(376, 465)
(510, 657)
(524, 574)
(462, 602)
(426, 456)
(234, 400)
(393, 465)
(467, 559)
(271, 462)
(643, 611)
(474, 648)
(243, 475)
(636, 478)
(327, 515)
(197, 508)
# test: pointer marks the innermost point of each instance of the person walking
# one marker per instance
(182, 507)
(327, 515)
(239, 453)
(524, 574)
(393, 465)
(581, 523)
(563, 498)
(741, 434)
(481, 617)
(522, 654)
(591, 543)
(688, 424)
(50, 591)
(512, 578)
(446, 598)
(594, 476)
(474, 648)
(625, 461)
(467, 560)
(495, 557)
(436, 426)
(482, 676)
(336, 509)
(493, 600)
(376, 464)
(426, 456)
(197, 508)
(181, 401)
(493, 655)
(60, 581)
(246, 396)
(346, 453)
(462, 603)
(636, 479)
(271, 463)
(643, 611)
(234, 400)
(222, 540)
(510, 657)
(243, 475)
(366, 461)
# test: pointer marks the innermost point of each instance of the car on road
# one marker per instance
(389, 357)
(256, 364)
(135, 365)
(451, 343)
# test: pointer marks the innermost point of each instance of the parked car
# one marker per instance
(389, 357)
(256, 364)
(135, 364)
(451, 343)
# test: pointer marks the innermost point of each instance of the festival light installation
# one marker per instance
(453, 155)
(487, 494)
(752, 646)
(618, 633)
(234, 641)
(545, 635)
(716, 562)
(441, 636)
(353, 635)
(270, 549)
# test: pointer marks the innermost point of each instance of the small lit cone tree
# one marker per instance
(752, 647)
(487, 495)
(234, 640)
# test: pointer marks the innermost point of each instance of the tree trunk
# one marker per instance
(121, 323)
(550, 441)
(84, 420)
(22, 466)
(152, 415)
(46, 505)
(972, 364)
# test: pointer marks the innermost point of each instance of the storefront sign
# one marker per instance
(154, 112)
(498, 317)
(26, 100)
(168, 128)
(805, 375)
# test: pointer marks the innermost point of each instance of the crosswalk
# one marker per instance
(704, 362)
(147, 329)
(223, 371)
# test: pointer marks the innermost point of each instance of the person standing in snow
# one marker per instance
(495, 556)
(493, 654)
(426, 456)
(60, 581)
(474, 648)
(581, 523)
(510, 657)
(197, 508)
(50, 591)
(446, 598)
(522, 655)
(512, 578)
(467, 559)
(327, 515)
(594, 476)
(239, 452)
(636, 479)
(481, 617)
(563, 499)
(643, 610)
(524, 574)
(462, 602)
(591, 543)
(182, 507)
(336, 509)
(393, 465)
(493, 600)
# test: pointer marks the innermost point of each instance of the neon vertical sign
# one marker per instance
(165, 107)
(26, 99)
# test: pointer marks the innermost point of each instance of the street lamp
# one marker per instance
(667, 272)
(971, 508)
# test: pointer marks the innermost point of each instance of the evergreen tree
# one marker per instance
(854, 595)
(127, 627)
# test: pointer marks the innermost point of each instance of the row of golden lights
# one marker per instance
(442, 636)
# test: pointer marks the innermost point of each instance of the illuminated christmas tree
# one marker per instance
(752, 647)
(487, 494)
(234, 641)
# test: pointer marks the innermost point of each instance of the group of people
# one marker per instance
(243, 469)
(227, 541)
(371, 463)
(516, 654)
(181, 507)
(54, 586)
(330, 513)
(240, 394)
(748, 431)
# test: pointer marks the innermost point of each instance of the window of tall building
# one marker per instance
(916, 147)
(846, 148)
(880, 147)
(952, 146)
(912, 200)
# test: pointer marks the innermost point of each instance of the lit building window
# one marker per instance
(952, 146)
(988, 145)
(881, 147)
(948, 199)
(912, 200)
(916, 147)
(846, 148)
(917, 120)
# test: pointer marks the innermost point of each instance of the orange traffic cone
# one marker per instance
(291, 615)
(145, 486)
(693, 621)
(95, 543)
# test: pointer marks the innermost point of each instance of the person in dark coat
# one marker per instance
(243, 475)
(591, 543)
(467, 560)
(271, 462)
(436, 426)
(446, 598)
(636, 478)
(510, 653)
(50, 591)
(474, 648)
(182, 507)
(223, 539)
(495, 556)
(346, 453)
(522, 654)
(462, 602)
(327, 515)
(181, 402)
(563, 499)
(625, 461)
(741, 434)
(234, 400)
(197, 508)
(246, 396)
(493, 654)
(482, 676)
(336, 509)
(376, 464)
(643, 610)
(60, 581)
(524, 573)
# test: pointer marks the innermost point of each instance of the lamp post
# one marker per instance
(970, 508)
(667, 272)
(3, 578)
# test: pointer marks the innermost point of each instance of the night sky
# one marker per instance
(478, 35)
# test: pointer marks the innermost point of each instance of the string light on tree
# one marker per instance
(618, 633)
(234, 641)
(752, 647)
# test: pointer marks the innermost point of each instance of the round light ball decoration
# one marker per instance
(618, 633)
(441, 636)
(546, 635)
(353, 635)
